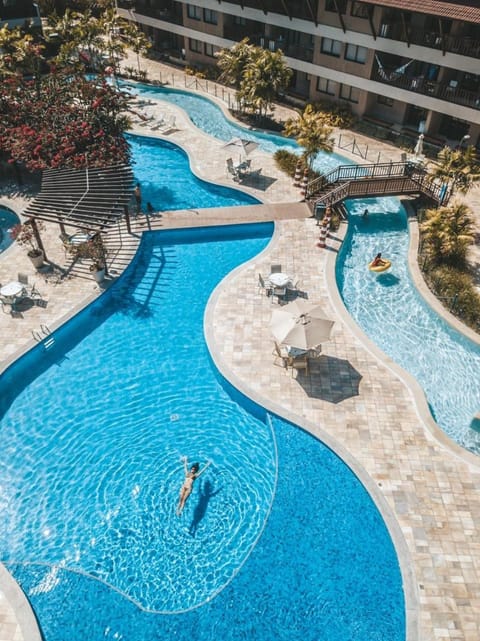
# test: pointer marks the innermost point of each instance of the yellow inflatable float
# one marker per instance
(386, 264)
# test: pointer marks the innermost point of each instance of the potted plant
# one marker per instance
(94, 250)
(24, 236)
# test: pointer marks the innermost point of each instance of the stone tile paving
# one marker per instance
(429, 491)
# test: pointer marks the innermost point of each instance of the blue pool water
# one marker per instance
(208, 117)
(167, 182)
(8, 219)
(93, 430)
(395, 316)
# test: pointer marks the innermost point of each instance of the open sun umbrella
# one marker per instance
(301, 325)
(245, 147)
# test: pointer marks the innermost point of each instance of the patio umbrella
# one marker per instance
(301, 325)
(418, 151)
(242, 145)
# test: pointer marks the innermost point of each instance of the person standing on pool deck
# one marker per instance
(138, 197)
(190, 476)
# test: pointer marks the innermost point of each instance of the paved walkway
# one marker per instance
(427, 489)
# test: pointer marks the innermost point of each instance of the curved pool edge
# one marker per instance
(409, 584)
(421, 285)
(416, 391)
(20, 606)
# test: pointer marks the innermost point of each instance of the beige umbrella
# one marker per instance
(301, 325)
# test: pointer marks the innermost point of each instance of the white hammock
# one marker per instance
(390, 76)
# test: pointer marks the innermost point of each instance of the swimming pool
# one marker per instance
(93, 430)
(393, 314)
(452, 393)
(167, 183)
(8, 219)
(208, 117)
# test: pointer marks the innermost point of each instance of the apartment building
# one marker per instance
(20, 13)
(411, 63)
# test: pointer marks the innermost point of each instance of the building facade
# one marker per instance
(414, 64)
(20, 13)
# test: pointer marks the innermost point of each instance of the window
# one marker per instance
(331, 47)
(359, 10)
(210, 50)
(326, 86)
(195, 45)
(383, 100)
(239, 20)
(336, 5)
(355, 53)
(349, 93)
(194, 12)
(210, 16)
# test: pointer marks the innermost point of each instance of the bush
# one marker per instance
(286, 161)
(457, 287)
(336, 115)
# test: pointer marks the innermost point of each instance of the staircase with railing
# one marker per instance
(373, 180)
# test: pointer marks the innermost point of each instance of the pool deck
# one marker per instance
(355, 399)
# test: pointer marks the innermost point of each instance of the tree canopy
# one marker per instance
(258, 75)
(459, 167)
(312, 132)
(448, 231)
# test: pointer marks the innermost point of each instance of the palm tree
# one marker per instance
(448, 231)
(311, 131)
(457, 167)
(234, 61)
(263, 78)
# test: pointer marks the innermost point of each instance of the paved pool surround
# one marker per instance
(426, 486)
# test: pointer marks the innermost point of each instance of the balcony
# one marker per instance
(161, 13)
(450, 92)
(462, 45)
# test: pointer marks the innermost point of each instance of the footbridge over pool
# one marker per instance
(374, 180)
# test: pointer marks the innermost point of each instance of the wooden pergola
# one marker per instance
(92, 199)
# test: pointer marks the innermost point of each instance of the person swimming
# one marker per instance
(190, 475)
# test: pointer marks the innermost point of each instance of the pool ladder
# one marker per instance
(44, 335)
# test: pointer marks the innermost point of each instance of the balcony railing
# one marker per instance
(463, 45)
(440, 90)
(167, 15)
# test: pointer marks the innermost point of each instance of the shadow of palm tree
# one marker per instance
(206, 493)
(330, 379)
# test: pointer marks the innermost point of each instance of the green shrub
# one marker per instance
(456, 287)
(336, 115)
(287, 161)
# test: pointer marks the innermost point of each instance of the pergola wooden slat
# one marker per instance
(93, 199)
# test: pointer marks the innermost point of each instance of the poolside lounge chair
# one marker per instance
(279, 292)
(264, 286)
(281, 355)
(168, 124)
(231, 169)
(29, 291)
(299, 363)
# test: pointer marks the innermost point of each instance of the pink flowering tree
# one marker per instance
(62, 119)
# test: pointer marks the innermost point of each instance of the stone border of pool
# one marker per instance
(388, 516)
(456, 604)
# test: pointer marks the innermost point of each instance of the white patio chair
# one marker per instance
(264, 286)
(281, 355)
(276, 268)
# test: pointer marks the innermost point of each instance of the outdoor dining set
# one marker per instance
(241, 169)
(16, 291)
(298, 327)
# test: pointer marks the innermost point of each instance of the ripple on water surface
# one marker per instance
(93, 466)
(392, 312)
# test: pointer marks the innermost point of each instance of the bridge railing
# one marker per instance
(357, 172)
(376, 186)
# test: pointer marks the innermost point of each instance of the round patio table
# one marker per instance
(11, 289)
(279, 279)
